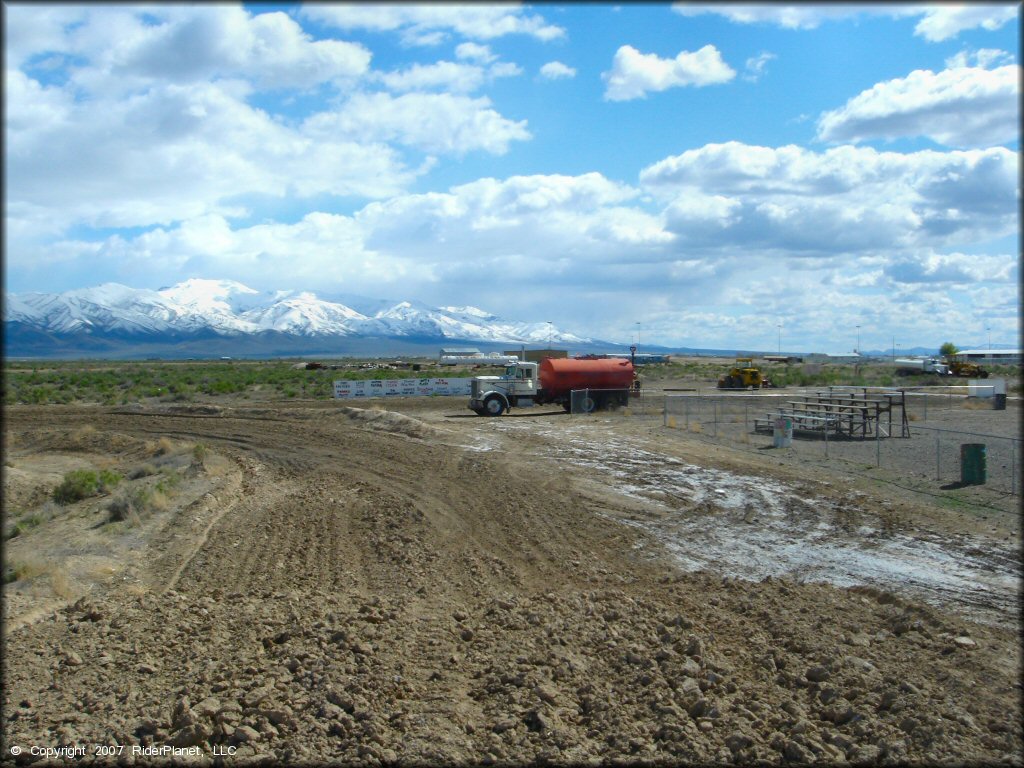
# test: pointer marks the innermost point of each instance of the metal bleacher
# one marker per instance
(851, 412)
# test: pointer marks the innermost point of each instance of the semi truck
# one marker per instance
(608, 382)
(922, 365)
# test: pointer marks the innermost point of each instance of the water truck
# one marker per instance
(922, 365)
(608, 383)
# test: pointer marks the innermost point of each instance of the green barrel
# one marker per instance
(972, 464)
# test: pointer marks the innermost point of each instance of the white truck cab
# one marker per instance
(493, 395)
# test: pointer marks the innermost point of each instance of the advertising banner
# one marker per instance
(402, 387)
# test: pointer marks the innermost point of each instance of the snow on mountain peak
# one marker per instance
(226, 306)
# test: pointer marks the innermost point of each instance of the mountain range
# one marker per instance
(216, 317)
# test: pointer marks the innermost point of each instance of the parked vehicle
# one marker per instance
(958, 366)
(608, 382)
(922, 365)
(744, 376)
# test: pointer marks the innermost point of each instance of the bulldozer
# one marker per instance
(744, 376)
(958, 366)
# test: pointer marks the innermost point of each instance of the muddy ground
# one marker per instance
(319, 582)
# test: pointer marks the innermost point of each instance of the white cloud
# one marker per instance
(634, 74)
(430, 24)
(175, 152)
(441, 122)
(447, 75)
(847, 200)
(955, 268)
(475, 52)
(126, 49)
(938, 22)
(985, 58)
(943, 22)
(556, 70)
(754, 67)
(963, 107)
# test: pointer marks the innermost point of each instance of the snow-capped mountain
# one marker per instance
(228, 309)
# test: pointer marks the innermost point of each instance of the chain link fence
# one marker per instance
(933, 451)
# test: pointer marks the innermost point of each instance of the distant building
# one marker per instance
(472, 356)
(992, 356)
(459, 352)
(536, 355)
(835, 357)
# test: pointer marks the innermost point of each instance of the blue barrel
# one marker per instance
(973, 464)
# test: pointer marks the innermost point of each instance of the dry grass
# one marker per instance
(83, 433)
(164, 447)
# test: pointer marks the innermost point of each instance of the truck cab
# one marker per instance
(493, 395)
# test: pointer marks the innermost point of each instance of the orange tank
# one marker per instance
(559, 376)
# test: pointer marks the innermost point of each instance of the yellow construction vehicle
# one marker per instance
(744, 376)
(958, 366)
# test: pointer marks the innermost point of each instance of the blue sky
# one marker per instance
(710, 172)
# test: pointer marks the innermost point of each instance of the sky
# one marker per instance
(805, 177)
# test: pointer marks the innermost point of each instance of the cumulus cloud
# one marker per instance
(556, 70)
(180, 110)
(475, 52)
(431, 24)
(845, 200)
(938, 22)
(178, 151)
(635, 74)
(447, 75)
(125, 49)
(962, 107)
(440, 122)
(952, 268)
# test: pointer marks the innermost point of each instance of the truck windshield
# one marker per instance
(510, 372)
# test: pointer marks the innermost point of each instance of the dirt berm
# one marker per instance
(368, 588)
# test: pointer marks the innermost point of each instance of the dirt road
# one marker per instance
(331, 583)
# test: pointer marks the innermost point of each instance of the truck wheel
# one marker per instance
(588, 405)
(494, 406)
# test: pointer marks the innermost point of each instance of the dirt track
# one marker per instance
(357, 585)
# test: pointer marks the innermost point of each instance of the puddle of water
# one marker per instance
(751, 527)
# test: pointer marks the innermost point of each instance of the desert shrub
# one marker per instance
(200, 452)
(25, 524)
(131, 506)
(77, 485)
(144, 470)
(108, 480)
(82, 483)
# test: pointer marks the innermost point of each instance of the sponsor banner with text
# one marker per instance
(402, 387)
